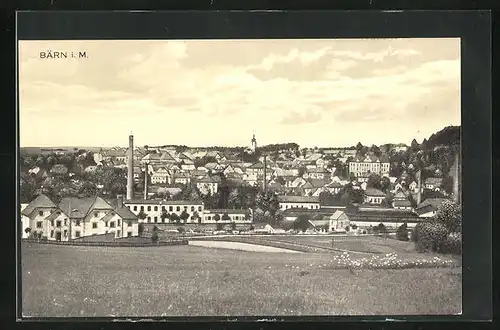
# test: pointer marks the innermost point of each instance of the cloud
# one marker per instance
(296, 117)
(276, 85)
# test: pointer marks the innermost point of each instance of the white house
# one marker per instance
(226, 216)
(208, 184)
(374, 196)
(429, 207)
(153, 210)
(74, 218)
(25, 222)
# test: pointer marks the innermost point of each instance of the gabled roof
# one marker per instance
(209, 179)
(374, 192)
(211, 166)
(400, 195)
(54, 214)
(166, 157)
(434, 202)
(42, 201)
(80, 207)
(402, 203)
(314, 183)
(336, 215)
(151, 157)
(123, 211)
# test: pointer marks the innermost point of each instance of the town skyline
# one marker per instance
(311, 92)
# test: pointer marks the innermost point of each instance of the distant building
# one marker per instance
(308, 202)
(154, 209)
(226, 216)
(374, 196)
(429, 207)
(365, 166)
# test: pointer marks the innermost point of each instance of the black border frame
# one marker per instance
(472, 27)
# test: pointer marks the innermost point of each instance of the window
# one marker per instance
(170, 208)
(149, 219)
(129, 234)
(199, 208)
(163, 208)
(112, 224)
(149, 208)
(52, 223)
(135, 207)
(94, 225)
(106, 224)
(65, 222)
(185, 208)
(96, 214)
(192, 208)
(178, 208)
(142, 208)
(156, 219)
(119, 221)
(118, 233)
(58, 212)
(236, 218)
(65, 233)
(38, 224)
(128, 207)
(51, 233)
(58, 223)
(40, 213)
(156, 208)
(77, 234)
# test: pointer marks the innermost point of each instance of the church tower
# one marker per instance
(254, 143)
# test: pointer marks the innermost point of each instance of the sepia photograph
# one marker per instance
(240, 177)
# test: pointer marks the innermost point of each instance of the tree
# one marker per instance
(216, 217)
(174, 218)
(447, 184)
(219, 226)
(154, 236)
(233, 225)
(449, 214)
(142, 215)
(184, 216)
(302, 222)
(374, 181)
(326, 198)
(402, 232)
(385, 184)
(302, 170)
(140, 228)
(181, 230)
(164, 215)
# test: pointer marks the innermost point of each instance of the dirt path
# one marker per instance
(240, 246)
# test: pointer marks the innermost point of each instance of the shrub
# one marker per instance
(450, 215)
(141, 228)
(382, 229)
(219, 226)
(402, 232)
(233, 225)
(181, 230)
(154, 237)
(252, 227)
(452, 244)
(430, 236)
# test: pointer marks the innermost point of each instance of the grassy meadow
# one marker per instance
(72, 281)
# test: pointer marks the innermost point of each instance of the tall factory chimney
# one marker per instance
(130, 168)
(419, 195)
(146, 182)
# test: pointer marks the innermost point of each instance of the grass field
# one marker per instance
(188, 281)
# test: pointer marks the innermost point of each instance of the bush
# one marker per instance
(382, 229)
(252, 227)
(452, 244)
(154, 237)
(181, 230)
(429, 236)
(141, 228)
(450, 215)
(220, 226)
(402, 232)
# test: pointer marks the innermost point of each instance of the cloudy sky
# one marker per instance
(220, 92)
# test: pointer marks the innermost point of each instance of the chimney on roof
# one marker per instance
(130, 168)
